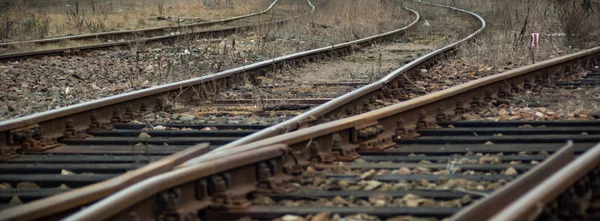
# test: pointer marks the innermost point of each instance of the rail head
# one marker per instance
(43, 208)
(53, 120)
(360, 94)
(399, 119)
(335, 140)
(489, 206)
(121, 32)
(144, 190)
(531, 204)
(235, 175)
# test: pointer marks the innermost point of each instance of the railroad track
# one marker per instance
(79, 43)
(444, 165)
(126, 143)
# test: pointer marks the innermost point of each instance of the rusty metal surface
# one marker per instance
(53, 121)
(85, 195)
(369, 131)
(138, 31)
(530, 204)
(488, 207)
(142, 191)
(246, 173)
(77, 49)
(359, 94)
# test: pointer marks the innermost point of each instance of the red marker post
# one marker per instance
(533, 43)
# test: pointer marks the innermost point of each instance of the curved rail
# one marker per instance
(321, 136)
(178, 34)
(137, 31)
(355, 96)
(84, 195)
(53, 120)
(288, 149)
(342, 136)
(70, 200)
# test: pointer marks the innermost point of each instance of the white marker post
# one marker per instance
(533, 43)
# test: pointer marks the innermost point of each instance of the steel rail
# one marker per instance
(345, 135)
(529, 205)
(15, 55)
(300, 139)
(53, 121)
(123, 32)
(489, 206)
(76, 198)
(355, 96)
(109, 207)
(322, 138)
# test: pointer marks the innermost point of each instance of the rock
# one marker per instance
(340, 201)
(372, 184)
(368, 175)
(426, 184)
(380, 200)
(461, 182)
(489, 160)
(401, 185)
(310, 171)
(539, 114)
(321, 217)
(263, 200)
(421, 170)
(510, 171)
(340, 169)
(144, 135)
(4, 186)
(412, 200)
(27, 185)
(292, 218)
(159, 127)
(15, 200)
(187, 117)
(360, 160)
(404, 171)
(66, 172)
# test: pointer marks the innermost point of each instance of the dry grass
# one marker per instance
(18, 21)
(334, 22)
(510, 23)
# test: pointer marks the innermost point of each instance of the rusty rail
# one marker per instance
(338, 140)
(227, 170)
(138, 31)
(74, 199)
(356, 97)
(488, 207)
(51, 124)
(298, 141)
(89, 194)
(218, 31)
(578, 176)
(332, 140)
